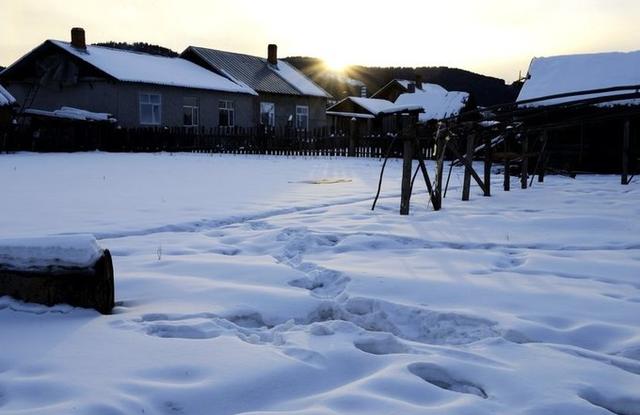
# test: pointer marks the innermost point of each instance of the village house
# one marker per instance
(136, 89)
(368, 114)
(593, 130)
(286, 97)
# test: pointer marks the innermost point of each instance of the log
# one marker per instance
(487, 166)
(70, 270)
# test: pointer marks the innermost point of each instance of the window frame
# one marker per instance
(230, 108)
(195, 112)
(272, 113)
(306, 115)
(152, 105)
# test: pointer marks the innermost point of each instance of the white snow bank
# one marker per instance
(141, 67)
(59, 251)
(5, 97)
(573, 73)
(73, 114)
(437, 102)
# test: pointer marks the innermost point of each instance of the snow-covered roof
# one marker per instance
(71, 113)
(437, 102)
(373, 105)
(6, 98)
(574, 73)
(132, 66)
(257, 73)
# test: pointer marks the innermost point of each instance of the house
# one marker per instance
(364, 112)
(394, 88)
(137, 89)
(286, 97)
(435, 102)
(7, 105)
(587, 135)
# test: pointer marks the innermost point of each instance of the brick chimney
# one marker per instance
(77, 38)
(272, 56)
(418, 81)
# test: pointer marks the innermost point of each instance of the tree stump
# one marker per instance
(52, 281)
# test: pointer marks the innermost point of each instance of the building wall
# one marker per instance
(122, 100)
(286, 106)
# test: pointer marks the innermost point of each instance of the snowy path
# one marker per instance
(295, 298)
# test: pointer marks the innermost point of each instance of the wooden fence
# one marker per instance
(70, 136)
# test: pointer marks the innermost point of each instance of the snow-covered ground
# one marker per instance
(262, 285)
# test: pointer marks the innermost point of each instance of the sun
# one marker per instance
(335, 63)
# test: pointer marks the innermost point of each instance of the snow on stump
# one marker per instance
(62, 269)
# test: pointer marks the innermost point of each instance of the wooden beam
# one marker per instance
(524, 172)
(488, 158)
(471, 170)
(466, 186)
(507, 163)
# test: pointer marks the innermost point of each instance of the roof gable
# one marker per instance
(358, 105)
(573, 73)
(437, 102)
(130, 66)
(257, 73)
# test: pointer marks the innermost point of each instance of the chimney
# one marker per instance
(272, 56)
(363, 91)
(77, 38)
(411, 88)
(418, 81)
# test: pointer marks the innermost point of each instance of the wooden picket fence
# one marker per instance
(71, 137)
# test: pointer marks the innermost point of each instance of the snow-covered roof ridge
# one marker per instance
(299, 80)
(132, 66)
(437, 102)
(556, 75)
(6, 98)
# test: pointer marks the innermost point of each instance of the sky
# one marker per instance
(493, 37)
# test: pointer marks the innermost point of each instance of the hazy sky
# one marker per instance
(494, 37)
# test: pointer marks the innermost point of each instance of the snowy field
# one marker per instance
(260, 285)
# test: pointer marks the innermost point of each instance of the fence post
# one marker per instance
(507, 162)
(408, 140)
(466, 187)
(488, 161)
(524, 174)
(625, 153)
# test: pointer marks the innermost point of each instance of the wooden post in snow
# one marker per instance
(625, 153)
(408, 140)
(352, 137)
(524, 173)
(440, 150)
(466, 186)
(507, 163)
(487, 165)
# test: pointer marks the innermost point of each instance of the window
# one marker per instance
(302, 117)
(190, 112)
(227, 117)
(150, 109)
(268, 114)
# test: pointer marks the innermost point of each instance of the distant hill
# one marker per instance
(141, 47)
(487, 90)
